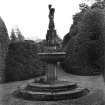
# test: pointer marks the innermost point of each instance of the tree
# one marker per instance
(83, 6)
(20, 37)
(99, 4)
(13, 36)
(16, 35)
(74, 27)
(85, 51)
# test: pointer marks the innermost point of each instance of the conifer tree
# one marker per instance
(13, 36)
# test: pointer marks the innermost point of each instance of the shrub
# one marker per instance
(22, 62)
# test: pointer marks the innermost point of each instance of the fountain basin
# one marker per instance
(52, 57)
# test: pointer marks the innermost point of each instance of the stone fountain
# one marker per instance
(50, 88)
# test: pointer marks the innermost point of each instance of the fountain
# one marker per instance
(50, 88)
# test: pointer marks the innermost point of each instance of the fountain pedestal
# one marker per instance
(52, 59)
(51, 73)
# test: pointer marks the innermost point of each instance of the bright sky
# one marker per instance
(31, 16)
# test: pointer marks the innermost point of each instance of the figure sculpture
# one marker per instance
(51, 32)
(51, 17)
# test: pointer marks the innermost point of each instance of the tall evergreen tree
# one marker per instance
(13, 36)
(20, 37)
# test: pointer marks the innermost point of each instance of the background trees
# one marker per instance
(22, 61)
(16, 35)
(85, 49)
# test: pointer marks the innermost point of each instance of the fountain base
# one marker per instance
(59, 90)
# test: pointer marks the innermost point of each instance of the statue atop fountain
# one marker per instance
(51, 18)
(51, 36)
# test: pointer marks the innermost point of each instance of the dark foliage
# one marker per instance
(22, 62)
(74, 27)
(73, 32)
(66, 39)
(85, 51)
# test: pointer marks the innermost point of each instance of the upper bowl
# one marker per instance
(52, 57)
